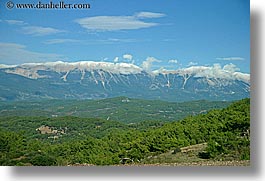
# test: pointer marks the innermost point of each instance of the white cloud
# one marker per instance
(61, 41)
(15, 22)
(168, 40)
(105, 59)
(216, 71)
(147, 64)
(12, 53)
(40, 31)
(173, 61)
(117, 40)
(33, 30)
(229, 72)
(149, 15)
(192, 63)
(108, 41)
(231, 68)
(83, 42)
(127, 56)
(116, 59)
(115, 23)
(230, 58)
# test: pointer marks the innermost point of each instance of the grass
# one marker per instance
(188, 156)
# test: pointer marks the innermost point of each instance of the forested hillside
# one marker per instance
(72, 140)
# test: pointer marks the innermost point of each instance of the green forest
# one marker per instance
(71, 140)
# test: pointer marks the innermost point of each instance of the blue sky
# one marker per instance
(176, 33)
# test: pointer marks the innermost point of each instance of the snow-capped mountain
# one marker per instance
(90, 80)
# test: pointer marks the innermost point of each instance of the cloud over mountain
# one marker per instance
(173, 61)
(127, 56)
(147, 64)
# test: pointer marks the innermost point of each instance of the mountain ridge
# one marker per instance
(123, 68)
(96, 80)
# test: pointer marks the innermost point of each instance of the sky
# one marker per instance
(171, 34)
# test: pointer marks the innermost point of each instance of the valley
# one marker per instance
(122, 109)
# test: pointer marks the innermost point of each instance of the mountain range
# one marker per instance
(97, 80)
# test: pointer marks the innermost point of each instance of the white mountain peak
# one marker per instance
(59, 66)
